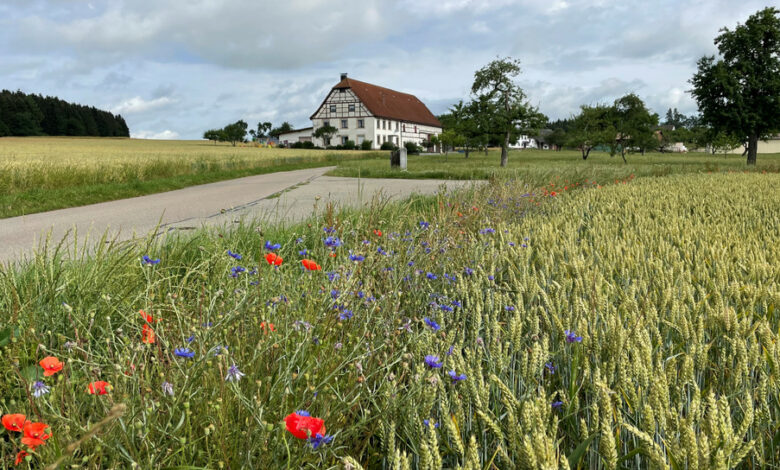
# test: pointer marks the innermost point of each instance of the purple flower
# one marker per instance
(487, 230)
(234, 255)
(434, 326)
(406, 326)
(191, 338)
(328, 229)
(509, 308)
(456, 303)
(433, 361)
(167, 388)
(445, 308)
(303, 252)
(410, 263)
(39, 389)
(303, 413)
(456, 377)
(556, 405)
(427, 423)
(184, 352)
(572, 337)
(233, 374)
(345, 314)
(468, 271)
(450, 351)
(431, 276)
(424, 225)
(332, 242)
(550, 367)
(356, 258)
(149, 261)
(272, 246)
(319, 440)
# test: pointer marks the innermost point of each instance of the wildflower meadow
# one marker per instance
(627, 323)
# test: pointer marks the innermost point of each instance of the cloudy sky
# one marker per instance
(174, 68)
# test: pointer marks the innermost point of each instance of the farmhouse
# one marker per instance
(364, 112)
(298, 135)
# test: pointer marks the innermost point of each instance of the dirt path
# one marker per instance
(276, 197)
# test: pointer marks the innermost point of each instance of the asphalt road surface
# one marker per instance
(274, 197)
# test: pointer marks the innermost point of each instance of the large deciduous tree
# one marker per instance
(592, 127)
(496, 85)
(634, 124)
(739, 93)
(235, 132)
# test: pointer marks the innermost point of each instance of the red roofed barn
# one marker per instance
(362, 111)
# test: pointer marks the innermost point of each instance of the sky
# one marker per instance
(175, 68)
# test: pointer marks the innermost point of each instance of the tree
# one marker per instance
(634, 125)
(464, 122)
(724, 143)
(325, 133)
(212, 134)
(739, 93)
(591, 128)
(235, 132)
(285, 127)
(262, 129)
(557, 138)
(495, 84)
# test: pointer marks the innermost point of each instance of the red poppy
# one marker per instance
(147, 332)
(51, 365)
(553, 193)
(332, 255)
(98, 388)
(14, 422)
(269, 325)
(274, 259)
(35, 434)
(378, 233)
(304, 427)
(310, 265)
(19, 457)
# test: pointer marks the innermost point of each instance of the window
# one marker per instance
(415, 129)
(325, 123)
(344, 124)
(344, 140)
(360, 139)
(352, 108)
(342, 90)
(333, 108)
(384, 124)
(396, 125)
(404, 127)
(361, 124)
(378, 125)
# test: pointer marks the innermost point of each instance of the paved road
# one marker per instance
(275, 197)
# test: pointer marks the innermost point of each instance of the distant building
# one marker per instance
(361, 111)
(299, 135)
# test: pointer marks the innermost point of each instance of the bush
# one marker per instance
(412, 148)
(349, 145)
(388, 146)
(366, 145)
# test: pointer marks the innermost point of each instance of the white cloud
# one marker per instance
(140, 105)
(164, 135)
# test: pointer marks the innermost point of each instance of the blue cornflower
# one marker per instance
(191, 338)
(233, 374)
(487, 230)
(332, 275)
(509, 308)
(550, 367)
(149, 261)
(381, 251)
(456, 303)
(319, 440)
(450, 350)
(572, 337)
(303, 252)
(424, 224)
(299, 240)
(524, 245)
(491, 277)
(332, 242)
(39, 389)
(468, 271)
(427, 423)
(456, 377)
(356, 258)
(303, 413)
(234, 255)
(433, 361)
(557, 405)
(345, 314)
(410, 263)
(236, 271)
(328, 229)
(511, 243)
(432, 323)
(445, 308)
(184, 352)
(334, 294)
(272, 246)
(431, 276)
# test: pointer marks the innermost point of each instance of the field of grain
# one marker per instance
(629, 324)
(38, 174)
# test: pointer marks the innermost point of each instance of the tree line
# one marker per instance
(738, 95)
(237, 132)
(35, 115)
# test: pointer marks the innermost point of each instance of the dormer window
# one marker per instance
(333, 108)
(352, 108)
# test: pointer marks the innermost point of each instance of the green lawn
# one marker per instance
(540, 167)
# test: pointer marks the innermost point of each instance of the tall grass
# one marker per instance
(671, 283)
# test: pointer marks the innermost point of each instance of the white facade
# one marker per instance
(525, 142)
(344, 110)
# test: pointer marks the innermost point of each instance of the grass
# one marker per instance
(47, 173)
(671, 283)
(540, 167)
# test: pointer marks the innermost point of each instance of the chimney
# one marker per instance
(343, 76)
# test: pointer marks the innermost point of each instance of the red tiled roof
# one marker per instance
(390, 104)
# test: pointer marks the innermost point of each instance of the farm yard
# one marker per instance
(627, 319)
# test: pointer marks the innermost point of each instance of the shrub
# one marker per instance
(388, 146)
(349, 145)
(412, 148)
(366, 145)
